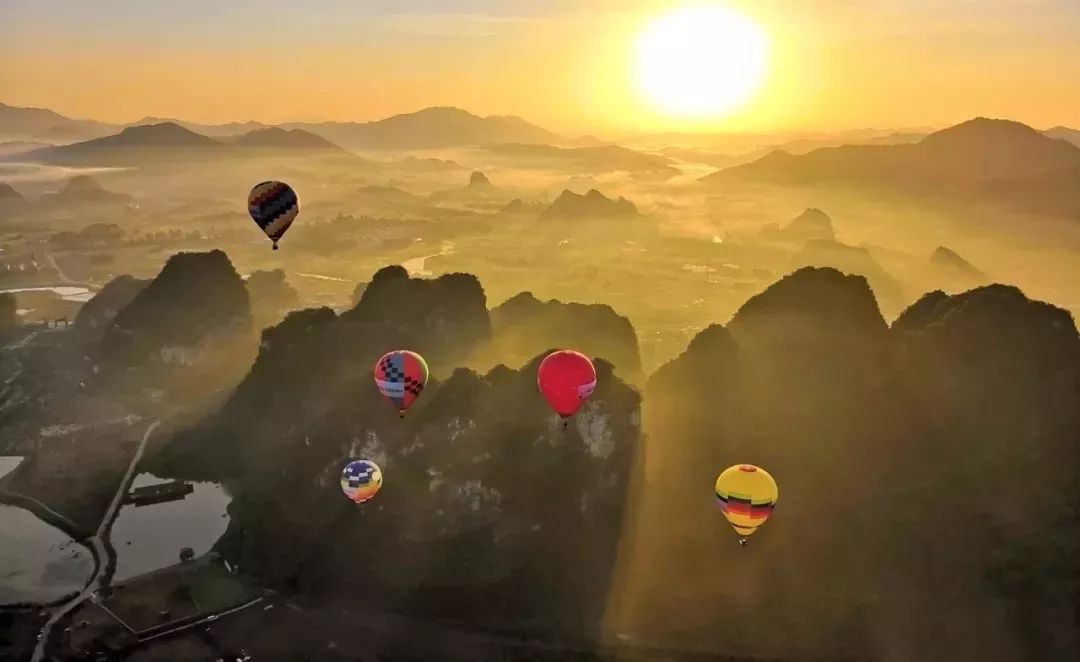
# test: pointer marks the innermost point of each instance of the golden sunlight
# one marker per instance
(701, 61)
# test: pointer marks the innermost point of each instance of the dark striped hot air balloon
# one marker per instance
(273, 206)
(400, 376)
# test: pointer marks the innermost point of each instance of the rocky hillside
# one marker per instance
(482, 482)
(524, 326)
(97, 314)
(196, 300)
(906, 526)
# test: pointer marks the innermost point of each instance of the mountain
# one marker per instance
(807, 226)
(446, 316)
(177, 319)
(519, 206)
(482, 480)
(950, 262)
(594, 204)
(44, 123)
(428, 129)
(132, 145)
(271, 297)
(478, 181)
(20, 147)
(84, 190)
(853, 260)
(1064, 133)
(9, 197)
(294, 139)
(227, 130)
(604, 158)
(995, 159)
(960, 396)
(523, 326)
(97, 314)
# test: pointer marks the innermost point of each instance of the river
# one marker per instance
(65, 292)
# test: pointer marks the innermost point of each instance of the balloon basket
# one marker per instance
(742, 542)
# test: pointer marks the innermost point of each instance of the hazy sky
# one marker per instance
(567, 64)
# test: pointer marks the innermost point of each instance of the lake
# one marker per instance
(38, 562)
(150, 537)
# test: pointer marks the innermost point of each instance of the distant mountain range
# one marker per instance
(594, 204)
(997, 160)
(168, 140)
(429, 128)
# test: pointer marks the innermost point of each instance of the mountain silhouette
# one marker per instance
(157, 326)
(807, 226)
(10, 199)
(226, 130)
(1064, 133)
(524, 326)
(853, 260)
(950, 261)
(808, 381)
(982, 157)
(132, 145)
(97, 314)
(84, 190)
(479, 181)
(594, 204)
(44, 123)
(519, 206)
(294, 139)
(428, 129)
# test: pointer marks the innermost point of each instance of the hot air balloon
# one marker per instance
(400, 376)
(361, 480)
(747, 495)
(566, 378)
(273, 206)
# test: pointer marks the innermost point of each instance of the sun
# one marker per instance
(701, 61)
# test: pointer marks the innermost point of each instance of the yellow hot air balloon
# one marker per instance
(747, 495)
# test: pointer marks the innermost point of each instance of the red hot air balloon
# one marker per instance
(400, 376)
(566, 378)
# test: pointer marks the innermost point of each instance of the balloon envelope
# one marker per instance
(273, 206)
(360, 480)
(400, 376)
(566, 378)
(747, 495)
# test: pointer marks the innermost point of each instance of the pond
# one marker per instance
(151, 536)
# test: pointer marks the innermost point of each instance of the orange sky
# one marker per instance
(566, 64)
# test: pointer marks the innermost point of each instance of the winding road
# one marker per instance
(97, 544)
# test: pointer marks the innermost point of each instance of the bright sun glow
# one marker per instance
(701, 61)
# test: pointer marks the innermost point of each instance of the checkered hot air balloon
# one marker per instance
(566, 378)
(401, 376)
(273, 206)
(747, 495)
(361, 480)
